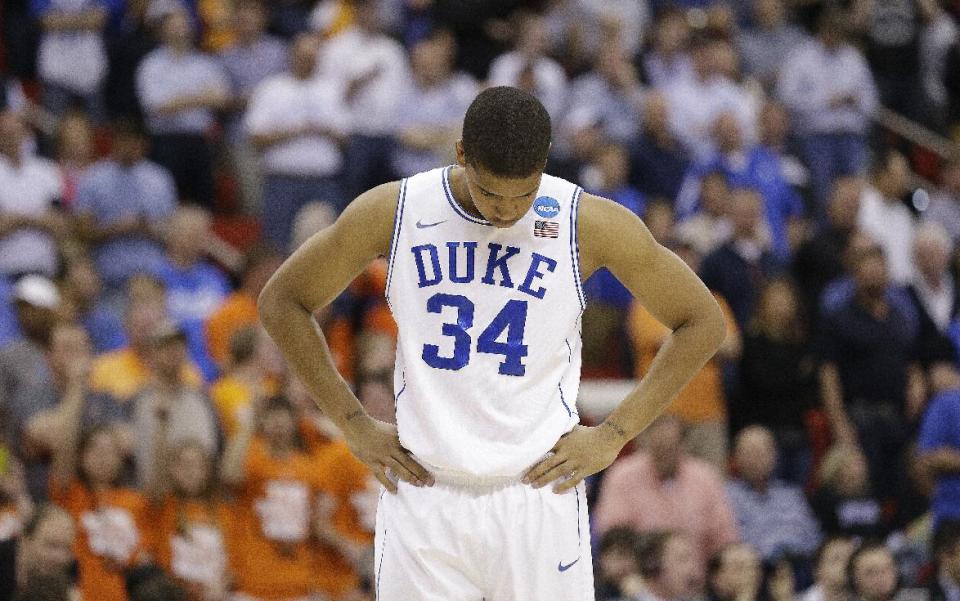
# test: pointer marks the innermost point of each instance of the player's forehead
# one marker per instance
(498, 185)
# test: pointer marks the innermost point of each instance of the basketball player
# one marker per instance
(486, 264)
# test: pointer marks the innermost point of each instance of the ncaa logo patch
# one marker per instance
(546, 206)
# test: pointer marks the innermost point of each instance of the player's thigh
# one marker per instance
(545, 549)
(420, 553)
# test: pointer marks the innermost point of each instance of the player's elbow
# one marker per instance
(713, 325)
(270, 302)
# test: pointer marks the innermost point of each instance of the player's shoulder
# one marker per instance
(601, 216)
(367, 222)
(609, 233)
(377, 203)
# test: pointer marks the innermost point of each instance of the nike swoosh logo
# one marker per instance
(564, 568)
(420, 225)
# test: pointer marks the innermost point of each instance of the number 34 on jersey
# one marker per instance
(456, 262)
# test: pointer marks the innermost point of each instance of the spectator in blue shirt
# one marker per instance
(658, 161)
(611, 91)
(740, 267)
(938, 447)
(869, 378)
(9, 328)
(827, 85)
(747, 167)
(434, 101)
(195, 287)
(122, 203)
(101, 318)
(772, 516)
(840, 290)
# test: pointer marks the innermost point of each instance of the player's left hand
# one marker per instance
(582, 452)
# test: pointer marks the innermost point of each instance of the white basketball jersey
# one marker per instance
(488, 354)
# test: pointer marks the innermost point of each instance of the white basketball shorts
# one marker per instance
(506, 542)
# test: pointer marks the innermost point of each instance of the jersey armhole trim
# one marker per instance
(397, 224)
(575, 246)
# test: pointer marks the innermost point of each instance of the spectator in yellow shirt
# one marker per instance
(256, 372)
(125, 373)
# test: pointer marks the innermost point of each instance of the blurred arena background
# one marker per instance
(159, 159)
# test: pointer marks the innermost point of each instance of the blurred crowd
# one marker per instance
(160, 158)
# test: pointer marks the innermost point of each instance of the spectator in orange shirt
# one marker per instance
(702, 405)
(257, 370)
(109, 516)
(240, 308)
(284, 547)
(191, 523)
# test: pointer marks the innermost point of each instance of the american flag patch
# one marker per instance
(546, 229)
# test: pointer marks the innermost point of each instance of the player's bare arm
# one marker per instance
(611, 236)
(310, 280)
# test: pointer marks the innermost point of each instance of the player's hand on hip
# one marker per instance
(377, 444)
(579, 453)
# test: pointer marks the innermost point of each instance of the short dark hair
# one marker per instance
(150, 583)
(127, 126)
(650, 551)
(278, 403)
(882, 159)
(257, 255)
(620, 538)
(507, 131)
(243, 344)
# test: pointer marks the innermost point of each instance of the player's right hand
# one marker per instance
(377, 445)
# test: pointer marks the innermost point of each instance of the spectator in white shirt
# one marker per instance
(697, 101)
(298, 123)
(668, 61)
(30, 190)
(884, 216)
(528, 67)
(612, 93)
(180, 90)
(770, 41)
(72, 59)
(255, 56)
(827, 85)
(371, 67)
(933, 289)
(433, 105)
(945, 202)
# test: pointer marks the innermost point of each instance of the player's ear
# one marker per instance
(461, 157)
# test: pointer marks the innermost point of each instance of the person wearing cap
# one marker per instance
(170, 406)
(26, 380)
